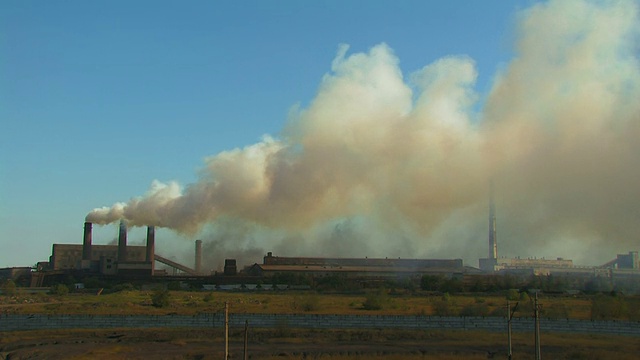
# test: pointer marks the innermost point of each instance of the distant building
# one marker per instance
(69, 256)
(362, 268)
(19, 275)
(629, 261)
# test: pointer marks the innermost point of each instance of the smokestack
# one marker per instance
(122, 242)
(151, 244)
(86, 241)
(493, 238)
(199, 256)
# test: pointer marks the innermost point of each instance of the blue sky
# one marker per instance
(98, 99)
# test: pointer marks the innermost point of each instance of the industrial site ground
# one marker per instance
(288, 343)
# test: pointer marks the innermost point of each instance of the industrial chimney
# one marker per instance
(493, 236)
(86, 241)
(199, 256)
(151, 246)
(122, 242)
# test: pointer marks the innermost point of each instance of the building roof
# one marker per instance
(351, 269)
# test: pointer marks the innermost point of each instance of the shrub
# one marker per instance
(59, 290)
(9, 288)
(160, 298)
(93, 283)
(208, 297)
(604, 307)
(375, 300)
(431, 282)
(477, 309)
(174, 285)
(310, 302)
(445, 306)
(557, 311)
(452, 286)
(513, 294)
(123, 287)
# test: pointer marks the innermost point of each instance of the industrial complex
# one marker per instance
(126, 262)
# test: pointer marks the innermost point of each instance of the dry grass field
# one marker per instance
(189, 302)
(286, 343)
(307, 344)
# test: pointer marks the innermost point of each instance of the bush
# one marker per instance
(9, 288)
(477, 309)
(310, 302)
(604, 307)
(208, 297)
(452, 286)
(174, 285)
(431, 282)
(59, 290)
(445, 306)
(93, 283)
(513, 294)
(160, 298)
(375, 300)
(123, 287)
(557, 311)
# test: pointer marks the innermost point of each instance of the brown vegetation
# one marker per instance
(375, 302)
(306, 344)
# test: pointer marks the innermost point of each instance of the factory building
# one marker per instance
(626, 261)
(527, 266)
(361, 268)
(121, 259)
(69, 256)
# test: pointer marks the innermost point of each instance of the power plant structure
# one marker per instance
(363, 268)
(124, 261)
(624, 269)
(121, 259)
(138, 262)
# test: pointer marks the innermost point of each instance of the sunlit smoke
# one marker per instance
(379, 164)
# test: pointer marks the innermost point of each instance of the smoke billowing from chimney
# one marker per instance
(410, 161)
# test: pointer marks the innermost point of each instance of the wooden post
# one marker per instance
(510, 313)
(226, 331)
(246, 340)
(509, 329)
(537, 325)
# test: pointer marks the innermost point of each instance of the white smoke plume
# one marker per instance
(402, 166)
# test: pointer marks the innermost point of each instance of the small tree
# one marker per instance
(308, 302)
(375, 300)
(445, 306)
(59, 290)
(9, 288)
(513, 294)
(431, 282)
(477, 309)
(605, 307)
(160, 298)
(208, 297)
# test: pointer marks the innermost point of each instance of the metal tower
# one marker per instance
(493, 238)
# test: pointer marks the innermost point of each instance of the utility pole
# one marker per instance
(536, 313)
(509, 317)
(246, 340)
(226, 330)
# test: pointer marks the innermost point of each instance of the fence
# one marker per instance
(13, 322)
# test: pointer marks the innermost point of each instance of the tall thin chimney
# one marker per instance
(151, 244)
(122, 242)
(199, 256)
(151, 247)
(493, 236)
(86, 241)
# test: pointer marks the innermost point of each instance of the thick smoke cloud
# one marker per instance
(379, 164)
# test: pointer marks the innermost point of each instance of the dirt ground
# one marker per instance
(307, 344)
